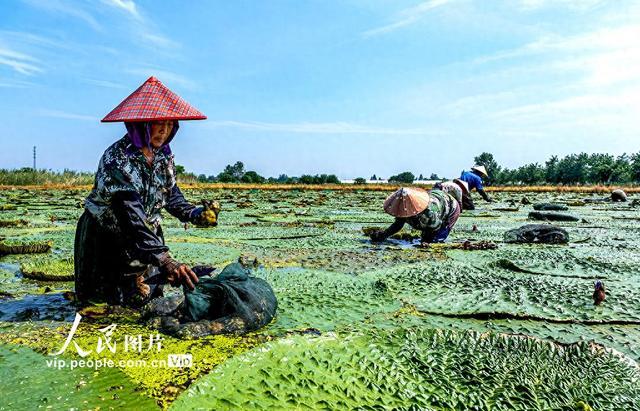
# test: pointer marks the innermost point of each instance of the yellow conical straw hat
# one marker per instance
(454, 189)
(463, 185)
(481, 170)
(406, 202)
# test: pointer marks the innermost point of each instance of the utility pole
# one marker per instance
(34, 158)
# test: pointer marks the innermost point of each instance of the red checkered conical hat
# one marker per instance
(406, 202)
(153, 101)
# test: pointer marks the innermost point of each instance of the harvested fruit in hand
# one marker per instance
(209, 216)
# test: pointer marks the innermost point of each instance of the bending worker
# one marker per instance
(434, 213)
(119, 239)
(457, 188)
(474, 179)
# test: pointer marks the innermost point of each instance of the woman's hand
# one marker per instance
(207, 215)
(178, 273)
(143, 288)
(182, 275)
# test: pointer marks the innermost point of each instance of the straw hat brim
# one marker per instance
(153, 101)
(464, 186)
(481, 169)
(406, 202)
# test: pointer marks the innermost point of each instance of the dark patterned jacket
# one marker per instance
(129, 194)
(436, 217)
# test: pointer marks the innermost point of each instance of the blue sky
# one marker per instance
(347, 87)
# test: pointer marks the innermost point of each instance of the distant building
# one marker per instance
(426, 182)
(382, 181)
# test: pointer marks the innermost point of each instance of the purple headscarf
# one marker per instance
(139, 133)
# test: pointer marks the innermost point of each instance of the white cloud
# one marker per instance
(64, 115)
(578, 5)
(32, 39)
(144, 28)
(582, 85)
(127, 5)
(623, 36)
(71, 9)
(141, 27)
(610, 115)
(406, 17)
(591, 104)
(10, 83)
(20, 62)
(606, 56)
(6, 52)
(103, 83)
(322, 128)
(159, 40)
(468, 103)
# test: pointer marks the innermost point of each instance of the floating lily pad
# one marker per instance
(13, 223)
(48, 270)
(28, 383)
(24, 247)
(418, 369)
(331, 279)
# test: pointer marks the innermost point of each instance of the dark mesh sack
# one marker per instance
(230, 302)
(551, 216)
(550, 207)
(232, 292)
(537, 233)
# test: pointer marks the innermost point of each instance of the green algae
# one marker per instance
(28, 383)
(148, 370)
(403, 235)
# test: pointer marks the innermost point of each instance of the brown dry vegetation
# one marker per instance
(343, 187)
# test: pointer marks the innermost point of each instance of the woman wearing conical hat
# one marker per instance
(434, 213)
(474, 179)
(119, 240)
(457, 188)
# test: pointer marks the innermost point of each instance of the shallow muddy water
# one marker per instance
(388, 324)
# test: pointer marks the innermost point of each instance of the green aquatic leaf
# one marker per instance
(389, 367)
(48, 269)
(331, 278)
(28, 383)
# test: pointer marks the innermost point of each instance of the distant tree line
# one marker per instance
(408, 177)
(572, 169)
(235, 173)
(405, 177)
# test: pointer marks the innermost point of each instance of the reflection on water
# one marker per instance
(13, 268)
(37, 307)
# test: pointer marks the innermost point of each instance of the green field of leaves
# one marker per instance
(388, 325)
